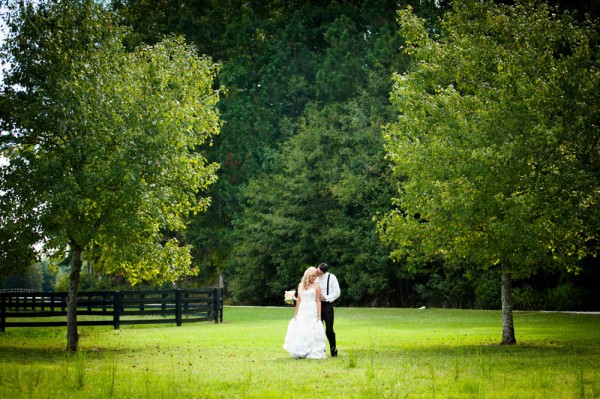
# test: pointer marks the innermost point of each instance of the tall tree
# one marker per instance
(103, 145)
(284, 61)
(318, 206)
(320, 189)
(496, 150)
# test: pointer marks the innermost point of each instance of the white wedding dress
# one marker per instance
(305, 334)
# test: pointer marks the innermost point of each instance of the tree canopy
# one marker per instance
(304, 88)
(103, 144)
(496, 147)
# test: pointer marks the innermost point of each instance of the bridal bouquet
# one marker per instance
(290, 297)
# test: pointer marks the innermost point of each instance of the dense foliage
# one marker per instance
(303, 173)
(102, 143)
(496, 149)
(303, 176)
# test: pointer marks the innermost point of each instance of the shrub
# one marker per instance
(526, 298)
(564, 297)
(487, 291)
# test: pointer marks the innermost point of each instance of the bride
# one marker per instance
(305, 336)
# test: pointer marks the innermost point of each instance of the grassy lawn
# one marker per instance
(384, 353)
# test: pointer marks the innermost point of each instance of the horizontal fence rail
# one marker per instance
(112, 307)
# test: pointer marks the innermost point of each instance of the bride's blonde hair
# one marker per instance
(305, 282)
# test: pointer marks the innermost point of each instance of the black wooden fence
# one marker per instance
(112, 307)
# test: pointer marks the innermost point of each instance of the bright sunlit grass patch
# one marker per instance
(384, 353)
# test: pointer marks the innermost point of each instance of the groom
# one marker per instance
(330, 291)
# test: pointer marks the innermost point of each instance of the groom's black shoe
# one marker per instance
(333, 352)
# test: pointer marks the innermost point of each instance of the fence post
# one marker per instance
(3, 314)
(163, 305)
(178, 300)
(220, 304)
(117, 303)
(89, 298)
(63, 302)
(216, 305)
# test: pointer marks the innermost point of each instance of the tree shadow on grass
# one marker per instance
(427, 353)
(51, 354)
(527, 350)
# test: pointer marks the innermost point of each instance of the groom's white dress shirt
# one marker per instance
(334, 292)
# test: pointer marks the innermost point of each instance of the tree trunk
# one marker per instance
(72, 335)
(508, 328)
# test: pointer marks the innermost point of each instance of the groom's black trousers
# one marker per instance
(327, 317)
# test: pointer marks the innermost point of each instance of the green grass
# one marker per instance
(384, 353)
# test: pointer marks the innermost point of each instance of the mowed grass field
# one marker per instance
(384, 353)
